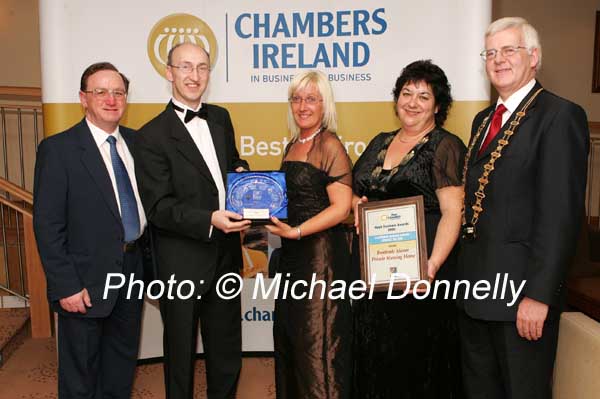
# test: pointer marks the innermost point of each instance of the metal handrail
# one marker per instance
(20, 130)
(28, 107)
(24, 277)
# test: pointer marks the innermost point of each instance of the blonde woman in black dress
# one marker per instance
(312, 336)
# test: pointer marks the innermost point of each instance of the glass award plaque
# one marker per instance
(257, 195)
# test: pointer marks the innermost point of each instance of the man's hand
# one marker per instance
(77, 303)
(530, 318)
(241, 169)
(229, 222)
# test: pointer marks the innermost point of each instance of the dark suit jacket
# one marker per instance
(77, 224)
(180, 195)
(532, 208)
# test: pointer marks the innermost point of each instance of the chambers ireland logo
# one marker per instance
(175, 29)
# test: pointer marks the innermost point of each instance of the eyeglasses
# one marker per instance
(310, 100)
(506, 51)
(189, 68)
(102, 93)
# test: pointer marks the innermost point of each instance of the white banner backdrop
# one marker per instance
(257, 323)
(256, 47)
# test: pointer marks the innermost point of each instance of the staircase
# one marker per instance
(24, 310)
(15, 327)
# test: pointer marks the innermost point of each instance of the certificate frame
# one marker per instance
(392, 240)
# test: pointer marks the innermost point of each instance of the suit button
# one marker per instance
(119, 263)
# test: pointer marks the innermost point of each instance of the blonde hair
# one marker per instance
(319, 80)
(530, 35)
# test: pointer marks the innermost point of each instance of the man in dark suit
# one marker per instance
(88, 220)
(524, 201)
(182, 157)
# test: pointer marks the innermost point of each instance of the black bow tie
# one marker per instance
(189, 114)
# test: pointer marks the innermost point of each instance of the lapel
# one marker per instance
(474, 156)
(493, 144)
(185, 144)
(218, 137)
(93, 162)
(127, 138)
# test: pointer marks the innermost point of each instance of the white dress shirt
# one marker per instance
(198, 129)
(100, 137)
(511, 103)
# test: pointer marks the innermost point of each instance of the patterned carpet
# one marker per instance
(30, 373)
(13, 330)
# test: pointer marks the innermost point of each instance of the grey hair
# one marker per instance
(530, 35)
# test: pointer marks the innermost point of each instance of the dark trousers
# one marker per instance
(97, 356)
(221, 329)
(497, 363)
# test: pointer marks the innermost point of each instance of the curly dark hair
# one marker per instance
(426, 71)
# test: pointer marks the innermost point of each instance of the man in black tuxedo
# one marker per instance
(527, 164)
(182, 157)
(88, 221)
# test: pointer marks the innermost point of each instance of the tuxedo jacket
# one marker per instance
(179, 194)
(533, 205)
(76, 218)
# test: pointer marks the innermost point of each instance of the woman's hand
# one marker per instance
(432, 269)
(282, 229)
(361, 200)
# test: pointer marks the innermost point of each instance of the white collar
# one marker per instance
(515, 99)
(184, 107)
(100, 135)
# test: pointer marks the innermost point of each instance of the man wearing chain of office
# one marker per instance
(525, 177)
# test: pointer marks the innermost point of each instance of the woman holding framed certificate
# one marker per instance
(408, 348)
(312, 332)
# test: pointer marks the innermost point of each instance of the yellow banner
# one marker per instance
(261, 129)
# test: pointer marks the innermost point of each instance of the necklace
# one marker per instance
(309, 138)
(413, 139)
(376, 183)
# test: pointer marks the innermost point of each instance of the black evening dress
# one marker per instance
(313, 337)
(408, 348)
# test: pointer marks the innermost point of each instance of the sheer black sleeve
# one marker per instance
(448, 161)
(328, 154)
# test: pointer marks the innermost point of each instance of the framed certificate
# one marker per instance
(393, 247)
(257, 195)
